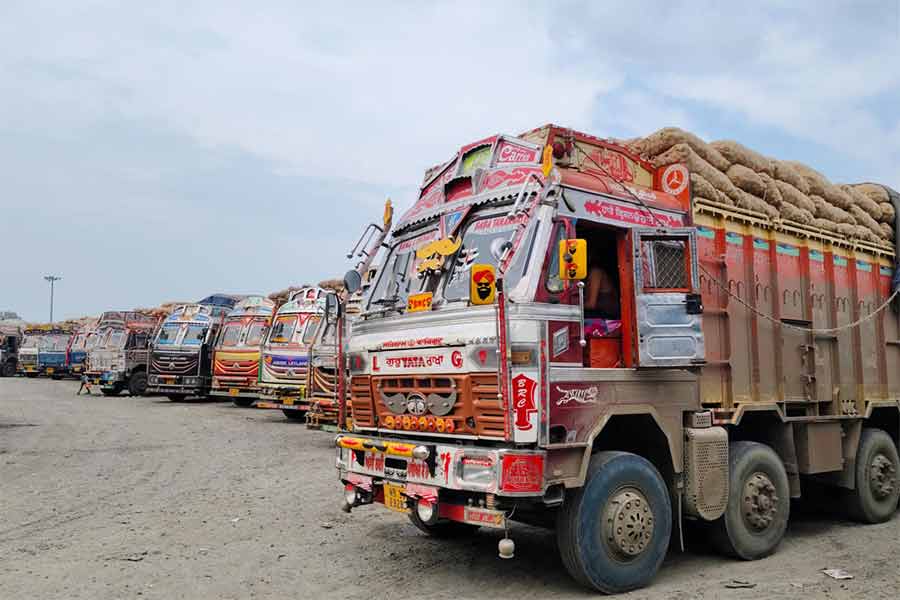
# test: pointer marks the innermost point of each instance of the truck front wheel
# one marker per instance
(9, 369)
(877, 478)
(759, 503)
(294, 415)
(243, 402)
(114, 391)
(614, 532)
(137, 385)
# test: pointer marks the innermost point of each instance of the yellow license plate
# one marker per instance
(233, 391)
(50, 370)
(97, 381)
(287, 401)
(29, 369)
(394, 498)
(169, 380)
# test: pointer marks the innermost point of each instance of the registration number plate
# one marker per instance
(233, 391)
(168, 380)
(50, 370)
(29, 369)
(287, 401)
(394, 498)
(97, 381)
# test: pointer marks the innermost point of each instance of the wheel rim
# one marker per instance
(759, 502)
(882, 476)
(628, 524)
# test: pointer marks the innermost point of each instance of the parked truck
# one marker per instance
(284, 368)
(43, 351)
(181, 351)
(237, 350)
(119, 358)
(79, 346)
(560, 335)
(10, 338)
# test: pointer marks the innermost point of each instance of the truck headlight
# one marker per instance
(191, 381)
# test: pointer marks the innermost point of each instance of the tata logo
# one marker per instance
(235, 366)
(171, 365)
(415, 404)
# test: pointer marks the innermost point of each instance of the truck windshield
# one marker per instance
(168, 334)
(78, 342)
(231, 335)
(90, 341)
(310, 330)
(116, 339)
(484, 242)
(30, 341)
(256, 333)
(54, 342)
(398, 278)
(194, 335)
(283, 329)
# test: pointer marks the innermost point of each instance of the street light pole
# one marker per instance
(52, 279)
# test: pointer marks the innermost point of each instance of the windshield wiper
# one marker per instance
(385, 301)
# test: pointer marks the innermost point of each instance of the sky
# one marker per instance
(154, 152)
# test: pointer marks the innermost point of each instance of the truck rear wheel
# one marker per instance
(137, 385)
(614, 532)
(759, 503)
(9, 369)
(877, 478)
(294, 415)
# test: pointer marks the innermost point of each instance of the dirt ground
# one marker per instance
(141, 497)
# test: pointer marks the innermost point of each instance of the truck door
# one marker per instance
(667, 299)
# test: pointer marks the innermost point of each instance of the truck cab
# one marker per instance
(181, 351)
(119, 358)
(10, 338)
(237, 350)
(81, 343)
(284, 366)
(43, 351)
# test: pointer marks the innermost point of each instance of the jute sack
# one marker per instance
(873, 191)
(788, 174)
(846, 229)
(685, 154)
(773, 194)
(794, 196)
(863, 218)
(888, 214)
(738, 154)
(862, 201)
(703, 188)
(751, 202)
(827, 225)
(836, 196)
(789, 212)
(887, 231)
(824, 210)
(815, 180)
(746, 179)
(660, 141)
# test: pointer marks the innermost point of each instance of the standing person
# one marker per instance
(85, 385)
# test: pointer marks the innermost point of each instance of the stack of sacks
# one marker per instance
(727, 172)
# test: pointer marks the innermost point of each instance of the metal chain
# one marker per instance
(727, 291)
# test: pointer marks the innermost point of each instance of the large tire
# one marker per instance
(294, 415)
(244, 402)
(113, 392)
(877, 478)
(176, 397)
(614, 532)
(9, 369)
(137, 385)
(442, 529)
(31, 375)
(759, 503)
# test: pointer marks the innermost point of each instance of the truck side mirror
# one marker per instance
(332, 308)
(352, 281)
(572, 259)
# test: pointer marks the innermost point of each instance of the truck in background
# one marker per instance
(715, 363)
(10, 339)
(181, 351)
(237, 350)
(79, 346)
(284, 367)
(119, 357)
(43, 351)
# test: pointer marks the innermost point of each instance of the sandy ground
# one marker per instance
(140, 497)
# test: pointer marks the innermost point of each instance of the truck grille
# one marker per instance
(283, 374)
(240, 368)
(476, 411)
(174, 364)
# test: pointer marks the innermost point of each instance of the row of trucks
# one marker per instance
(560, 334)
